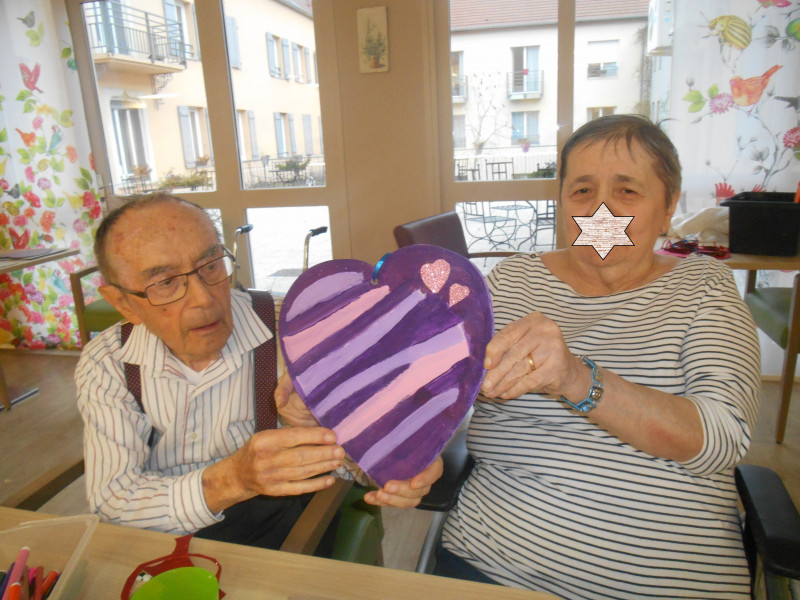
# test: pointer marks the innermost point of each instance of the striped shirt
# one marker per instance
(198, 421)
(557, 504)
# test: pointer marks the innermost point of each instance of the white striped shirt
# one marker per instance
(196, 424)
(557, 504)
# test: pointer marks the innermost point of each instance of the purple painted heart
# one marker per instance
(391, 364)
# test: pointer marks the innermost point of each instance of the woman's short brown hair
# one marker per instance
(613, 128)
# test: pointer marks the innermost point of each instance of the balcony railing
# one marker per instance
(525, 84)
(118, 29)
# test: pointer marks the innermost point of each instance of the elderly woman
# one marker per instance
(620, 393)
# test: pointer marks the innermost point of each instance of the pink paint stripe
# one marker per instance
(340, 358)
(359, 381)
(323, 289)
(407, 427)
(417, 375)
(298, 344)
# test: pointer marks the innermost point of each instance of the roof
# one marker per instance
(492, 14)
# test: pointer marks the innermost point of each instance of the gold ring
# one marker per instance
(530, 362)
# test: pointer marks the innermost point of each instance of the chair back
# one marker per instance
(442, 230)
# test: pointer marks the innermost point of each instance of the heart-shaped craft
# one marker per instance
(391, 364)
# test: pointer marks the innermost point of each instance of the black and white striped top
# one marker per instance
(557, 504)
(199, 418)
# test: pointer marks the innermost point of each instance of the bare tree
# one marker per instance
(486, 113)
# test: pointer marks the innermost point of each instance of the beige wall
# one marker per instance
(389, 126)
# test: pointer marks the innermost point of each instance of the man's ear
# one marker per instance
(120, 301)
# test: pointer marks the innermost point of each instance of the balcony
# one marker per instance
(134, 40)
(525, 85)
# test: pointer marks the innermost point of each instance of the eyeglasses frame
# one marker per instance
(143, 294)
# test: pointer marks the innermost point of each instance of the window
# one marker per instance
(308, 135)
(459, 82)
(177, 30)
(525, 126)
(130, 138)
(307, 64)
(599, 111)
(525, 77)
(298, 69)
(192, 125)
(603, 56)
(459, 131)
(247, 136)
(273, 55)
(284, 134)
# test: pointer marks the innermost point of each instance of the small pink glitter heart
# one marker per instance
(457, 293)
(434, 275)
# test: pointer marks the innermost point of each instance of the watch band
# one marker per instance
(595, 392)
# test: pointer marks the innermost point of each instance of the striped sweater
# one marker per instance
(557, 504)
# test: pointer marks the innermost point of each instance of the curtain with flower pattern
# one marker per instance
(735, 97)
(47, 180)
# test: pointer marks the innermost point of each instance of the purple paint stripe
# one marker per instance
(420, 372)
(407, 427)
(318, 372)
(346, 389)
(323, 289)
(298, 344)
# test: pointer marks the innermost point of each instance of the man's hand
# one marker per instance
(277, 462)
(291, 407)
(408, 493)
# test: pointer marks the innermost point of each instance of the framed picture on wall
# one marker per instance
(373, 40)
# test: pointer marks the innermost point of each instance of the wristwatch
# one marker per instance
(595, 392)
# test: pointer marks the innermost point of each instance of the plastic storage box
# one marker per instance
(765, 223)
(54, 544)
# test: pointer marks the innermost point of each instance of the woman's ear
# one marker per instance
(120, 301)
(672, 205)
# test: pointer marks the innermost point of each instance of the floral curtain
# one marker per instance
(47, 179)
(735, 97)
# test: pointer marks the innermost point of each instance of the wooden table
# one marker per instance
(8, 394)
(115, 551)
(752, 263)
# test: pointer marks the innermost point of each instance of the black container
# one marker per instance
(766, 223)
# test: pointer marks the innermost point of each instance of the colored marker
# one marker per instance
(6, 580)
(38, 583)
(49, 583)
(19, 568)
(14, 591)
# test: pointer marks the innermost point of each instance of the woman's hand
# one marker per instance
(407, 493)
(291, 407)
(530, 355)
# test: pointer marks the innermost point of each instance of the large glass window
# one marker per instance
(504, 117)
(152, 96)
(285, 241)
(276, 49)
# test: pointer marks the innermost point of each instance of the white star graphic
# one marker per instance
(603, 231)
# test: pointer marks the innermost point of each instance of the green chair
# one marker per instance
(95, 316)
(360, 530)
(776, 311)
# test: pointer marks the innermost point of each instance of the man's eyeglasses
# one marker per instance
(174, 288)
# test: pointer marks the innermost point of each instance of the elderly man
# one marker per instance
(185, 457)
